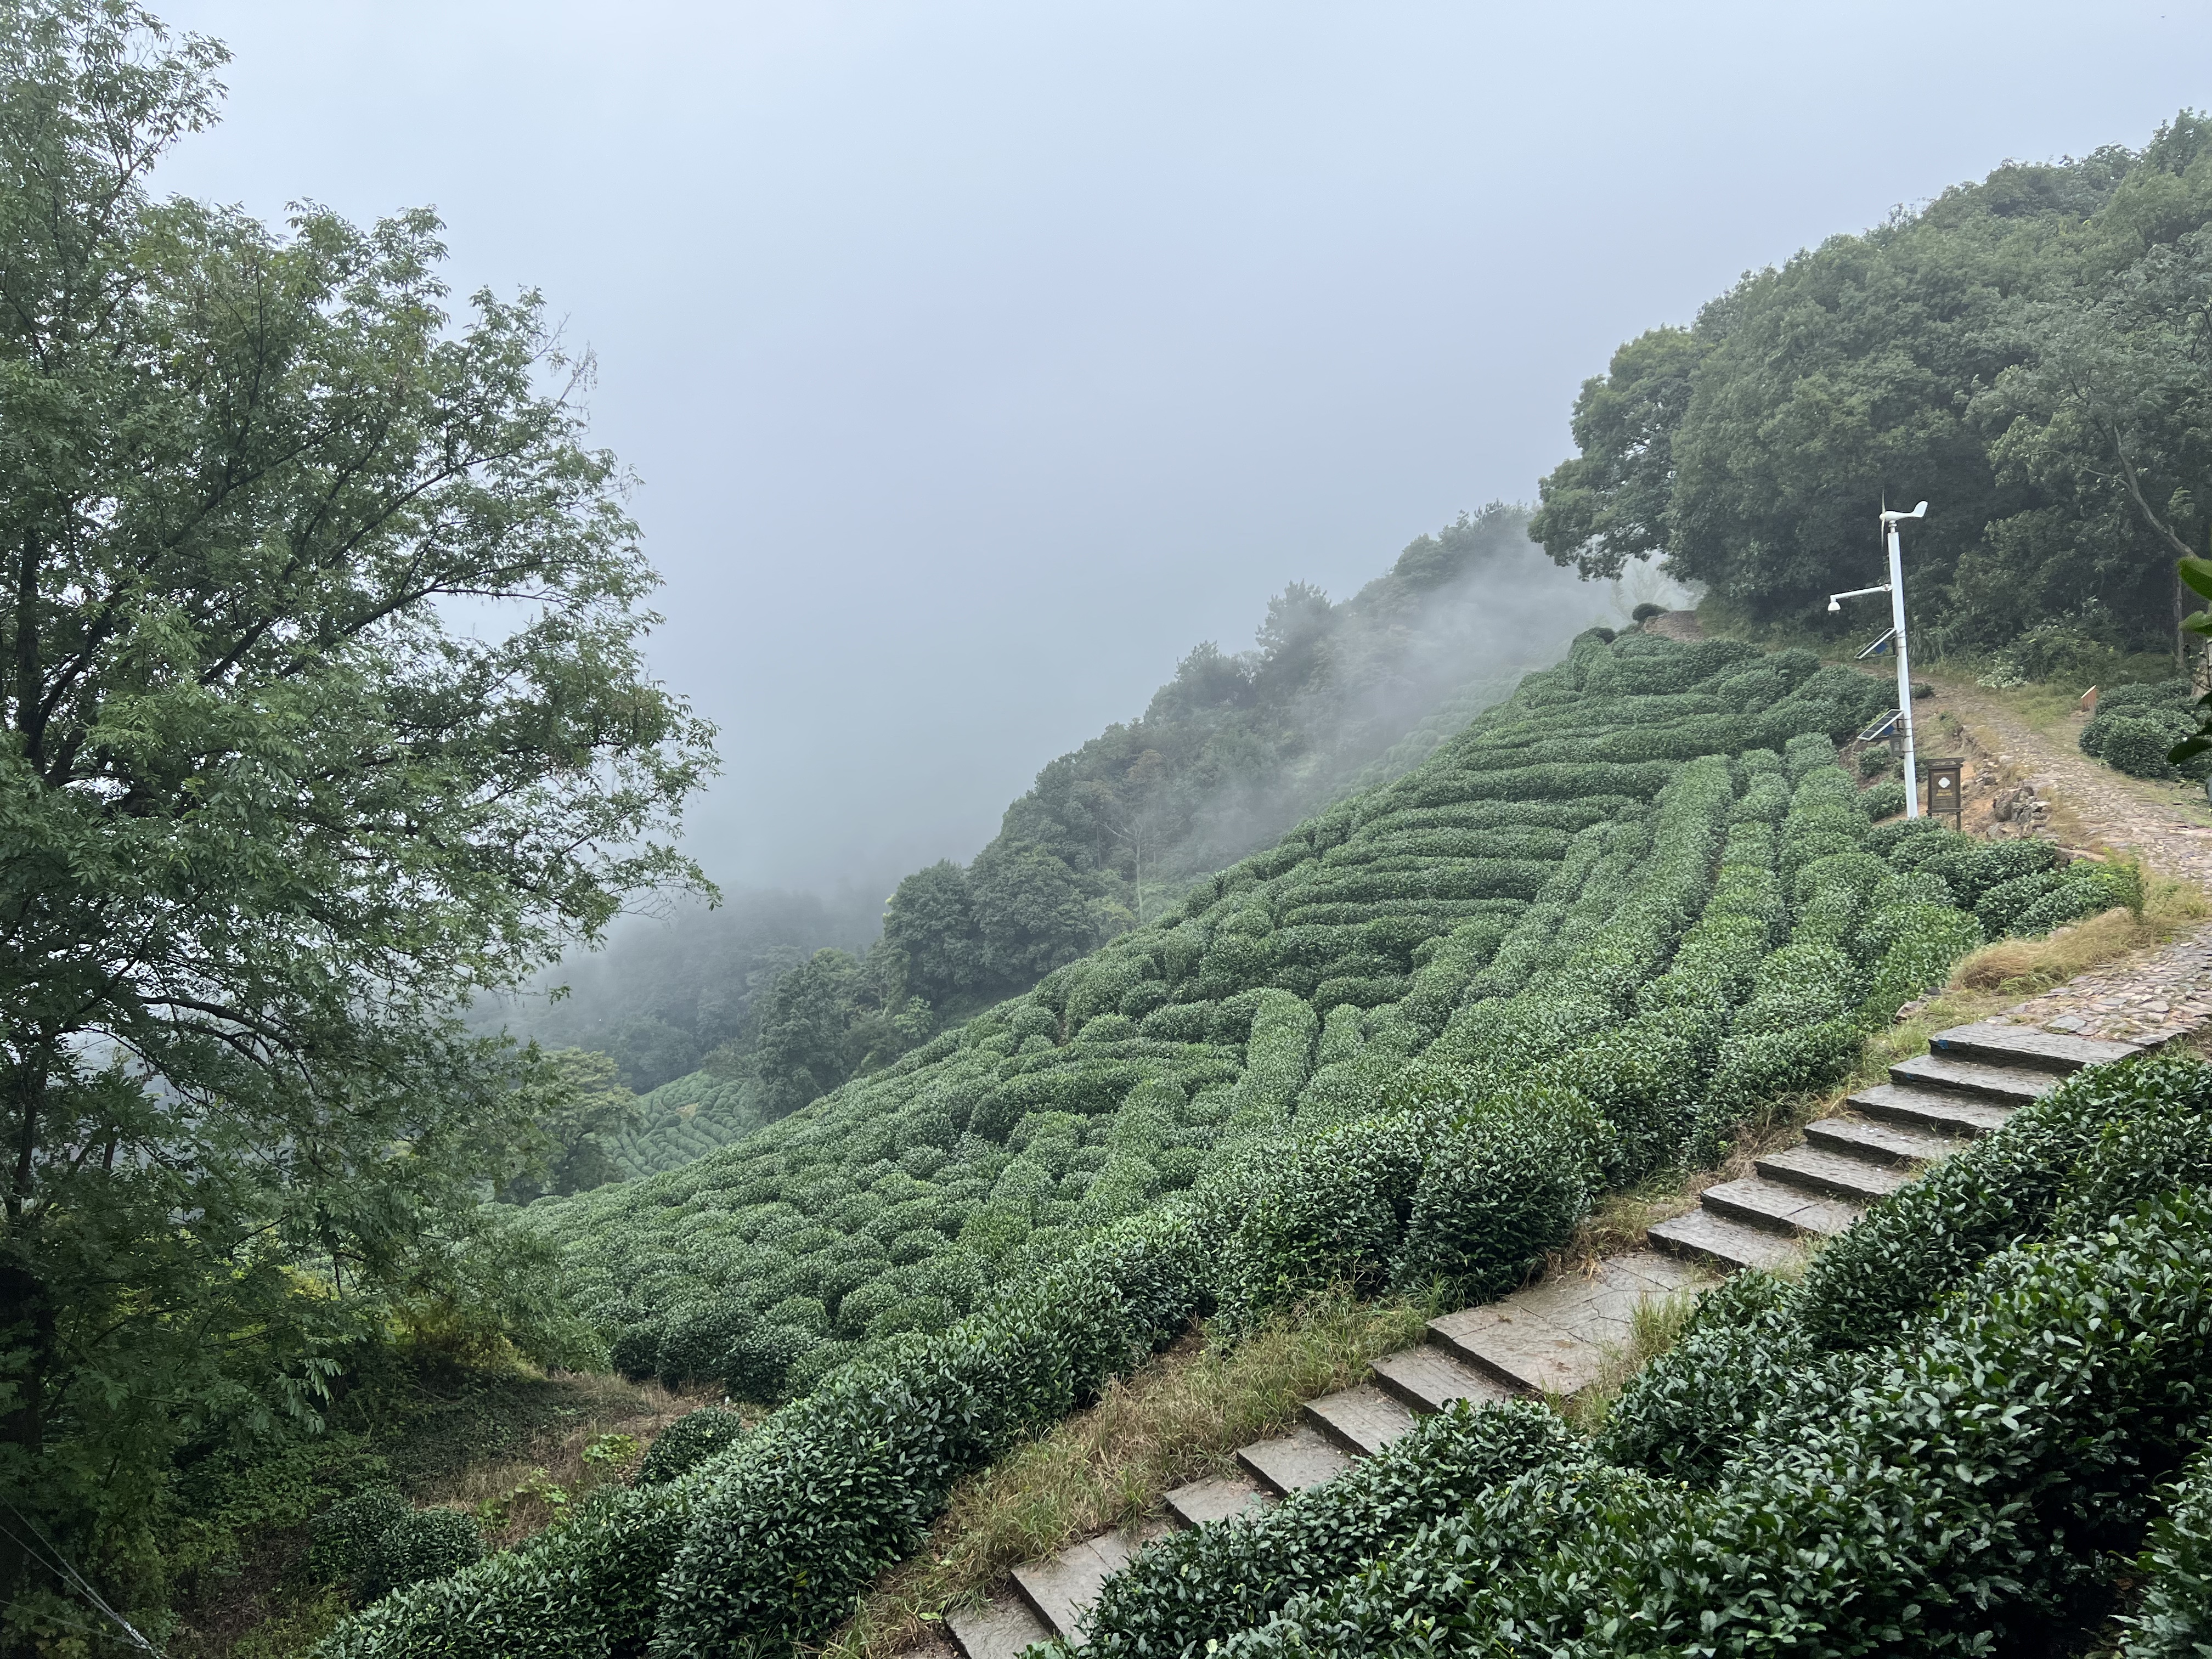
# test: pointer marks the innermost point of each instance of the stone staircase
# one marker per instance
(1554, 1336)
(1972, 1078)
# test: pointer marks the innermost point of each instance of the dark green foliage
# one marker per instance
(1684, 1415)
(1959, 1489)
(419, 1545)
(1533, 1049)
(1196, 1587)
(2050, 405)
(274, 813)
(837, 1487)
(2174, 1619)
(588, 1588)
(1865, 937)
(1886, 800)
(2136, 725)
(1329, 1209)
(344, 1536)
(687, 1442)
(2005, 1187)
(1500, 1186)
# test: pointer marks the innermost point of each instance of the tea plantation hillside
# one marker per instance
(1407, 1044)
(682, 1120)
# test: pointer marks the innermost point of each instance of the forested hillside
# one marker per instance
(2031, 355)
(666, 993)
(1409, 1043)
(793, 997)
(1232, 752)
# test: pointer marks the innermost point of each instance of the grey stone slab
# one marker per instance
(1305, 1457)
(998, 1629)
(1428, 1378)
(1660, 1273)
(2026, 1047)
(1703, 1235)
(1060, 1589)
(1520, 1348)
(1759, 1202)
(1216, 1498)
(2008, 1085)
(1833, 1171)
(1362, 1419)
(1890, 1143)
(1930, 1110)
(1597, 1303)
(1552, 1336)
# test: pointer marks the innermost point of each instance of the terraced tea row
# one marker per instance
(1381, 1052)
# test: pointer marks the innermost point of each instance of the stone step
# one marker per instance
(1759, 1202)
(1428, 1378)
(1930, 1109)
(1529, 1355)
(2027, 1047)
(1305, 1457)
(998, 1629)
(1886, 1143)
(1060, 1589)
(1362, 1419)
(1551, 1337)
(1702, 1236)
(1217, 1497)
(1834, 1172)
(2007, 1086)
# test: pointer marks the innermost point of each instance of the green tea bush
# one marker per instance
(588, 1587)
(2083, 889)
(2136, 725)
(687, 1442)
(806, 1510)
(1684, 1414)
(1956, 1491)
(1193, 1589)
(419, 1545)
(343, 1539)
(1500, 1184)
(1908, 1249)
(1534, 953)
(2174, 1619)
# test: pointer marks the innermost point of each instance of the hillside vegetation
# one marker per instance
(1952, 1437)
(2027, 354)
(786, 998)
(1408, 1044)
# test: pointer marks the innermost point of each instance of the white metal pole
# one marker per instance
(1904, 670)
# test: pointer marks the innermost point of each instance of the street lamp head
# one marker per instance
(1835, 604)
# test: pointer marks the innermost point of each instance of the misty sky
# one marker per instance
(979, 359)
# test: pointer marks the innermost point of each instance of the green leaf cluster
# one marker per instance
(2030, 353)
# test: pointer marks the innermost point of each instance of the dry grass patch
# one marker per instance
(517, 1497)
(1617, 1224)
(1181, 1417)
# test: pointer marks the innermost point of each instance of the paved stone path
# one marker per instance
(2119, 812)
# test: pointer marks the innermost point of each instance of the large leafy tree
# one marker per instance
(1609, 504)
(323, 708)
(2007, 353)
(2116, 403)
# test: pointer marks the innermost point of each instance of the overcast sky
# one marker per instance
(977, 359)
